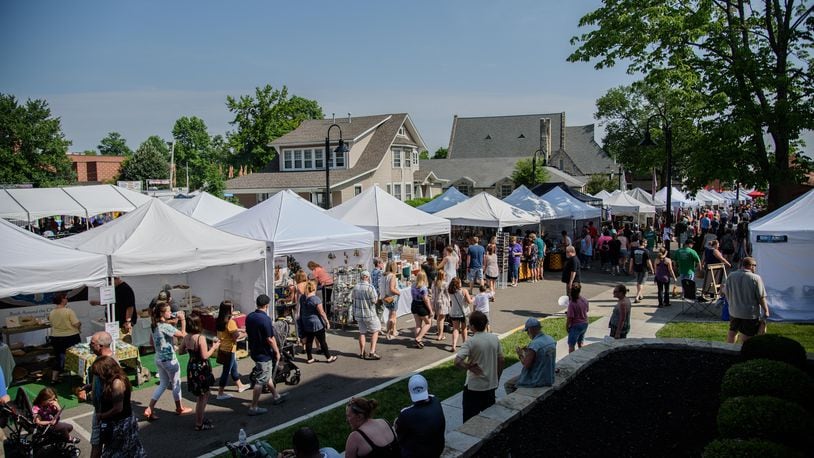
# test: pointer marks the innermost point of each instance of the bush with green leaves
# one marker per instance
(765, 417)
(771, 378)
(753, 448)
(775, 347)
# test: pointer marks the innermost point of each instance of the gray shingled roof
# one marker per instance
(485, 172)
(368, 162)
(314, 130)
(469, 136)
(588, 156)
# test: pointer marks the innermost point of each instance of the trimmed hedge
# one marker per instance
(776, 348)
(771, 378)
(753, 448)
(765, 417)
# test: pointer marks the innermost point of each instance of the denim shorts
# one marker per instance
(475, 274)
(577, 333)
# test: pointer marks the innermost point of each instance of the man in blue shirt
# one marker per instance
(537, 359)
(475, 252)
(420, 427)
(264, 352)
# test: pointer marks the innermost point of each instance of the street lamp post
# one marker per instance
(668, 143)
(534, 165)
(341, 148)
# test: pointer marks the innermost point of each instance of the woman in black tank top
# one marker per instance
(118, 426)
(371, 437)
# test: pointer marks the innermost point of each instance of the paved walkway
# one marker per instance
(645, 320)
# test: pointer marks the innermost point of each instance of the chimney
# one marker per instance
(562, 131)
(545, 139)
(333, 118)
(349, 121)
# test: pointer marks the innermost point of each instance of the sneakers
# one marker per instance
(223, 397)
(254, 411)
(243, 388)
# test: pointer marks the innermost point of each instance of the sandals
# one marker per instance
(331, 359)
(149, 415)
(419, 344)
(362, 355)
(310, 361)
(373, 356)
(183, 411)
(205, 426)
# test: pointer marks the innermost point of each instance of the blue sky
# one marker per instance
(135, 67)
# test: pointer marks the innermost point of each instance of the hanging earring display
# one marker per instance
(356, 252)
(331, 256)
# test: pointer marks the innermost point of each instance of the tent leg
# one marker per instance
(266, 282)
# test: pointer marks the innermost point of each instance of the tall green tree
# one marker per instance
(192, 149)
(114, 145)
(522, 173)
(424, 154)
(148, 162)
(159, 144)
(261, 119)
(33, 148)
(750, 59)
(440, 153)
(601, 182)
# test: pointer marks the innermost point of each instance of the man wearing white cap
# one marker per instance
(537, 359)
(364, 310)
(420, 427)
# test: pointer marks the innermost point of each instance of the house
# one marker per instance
(496, 143)
(383, 150)
(95, 169)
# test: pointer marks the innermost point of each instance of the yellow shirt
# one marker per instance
(227, 341)
(62, 321)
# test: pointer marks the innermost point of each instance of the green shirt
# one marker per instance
(650, 236)
(687, 260)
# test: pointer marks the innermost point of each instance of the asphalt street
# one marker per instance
(323, 384)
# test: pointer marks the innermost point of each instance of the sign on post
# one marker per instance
(113, 330)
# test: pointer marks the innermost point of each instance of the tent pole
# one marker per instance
(266, 281)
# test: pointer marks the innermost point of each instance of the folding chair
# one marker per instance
(690, 299)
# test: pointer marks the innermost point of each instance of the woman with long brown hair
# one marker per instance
(228, 333)
(118, 426)
(199, 370)
(460, 300)
(166, 361)
(314, 322)
(440, 302)
(391, 293)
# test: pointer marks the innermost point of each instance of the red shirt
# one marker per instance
(322, 277)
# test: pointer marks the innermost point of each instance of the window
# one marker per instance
(339, 160)
(308, 162)
(415, 158)
(262, 197)
(357, 190)
(318, 198)
(397, 190)
(408, 159)
(505, 190)
(318, 164)
(396, 158)
(297, 159)
(408, 191)
(389, 189)
(402, 131)
(561, 164)
(465, 189)
(288, 163)
(303, 159)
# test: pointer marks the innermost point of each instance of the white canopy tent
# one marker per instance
(622, 204)
(602, 195)
(156, 241)
(206, 208)
(32, 264)
(523, 198)
(677, 200)
(387, 217)
(449, 198)
(83, 201)
(566, 204)
(486, 210)
(783, 246)
(643, 196)
(709, 198)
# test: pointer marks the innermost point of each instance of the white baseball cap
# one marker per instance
(418, 388)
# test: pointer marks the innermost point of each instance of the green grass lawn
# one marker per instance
(444, 381)
(803, 333)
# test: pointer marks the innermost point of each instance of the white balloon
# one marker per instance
(563, 301)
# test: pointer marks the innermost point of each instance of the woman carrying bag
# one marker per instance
(199, 370)
(459, 310)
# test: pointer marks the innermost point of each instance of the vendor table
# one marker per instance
(79, 358)
(22, 329)
(404, 302)
(141, 333)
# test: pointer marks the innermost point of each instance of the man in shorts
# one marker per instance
(538, 240)
(747, 299)
(264, 352)
(687, 260)
(639, 260)
(364, 311)
(475, 253)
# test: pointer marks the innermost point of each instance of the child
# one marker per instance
(46, 413)
(482, 303)
(620, 318)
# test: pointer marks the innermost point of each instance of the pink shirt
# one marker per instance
(322, 276)
(578, 311)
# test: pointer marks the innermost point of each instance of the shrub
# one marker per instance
(754, 448)
(771, 378)
(765, 417)
(775, 347)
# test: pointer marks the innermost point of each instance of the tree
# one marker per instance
(148, 162)
(440, 153)
(261, 119)
(114, 145)
(424, 154)
(89, 152)
(192, 149)
(522, 173)
(159, 144)
(601, 182)
(33, 148)
(749, 59)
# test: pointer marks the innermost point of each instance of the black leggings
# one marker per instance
(61, 344)
(663, 292)
(309, 343)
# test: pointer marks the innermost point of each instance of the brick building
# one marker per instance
(96, 169)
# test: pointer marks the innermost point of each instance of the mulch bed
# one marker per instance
(630, 403)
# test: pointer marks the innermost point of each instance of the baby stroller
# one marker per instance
(25, 438)
(287, 371)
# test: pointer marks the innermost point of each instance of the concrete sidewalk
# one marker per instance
(645, 320)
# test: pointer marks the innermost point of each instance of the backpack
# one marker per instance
(662, 272)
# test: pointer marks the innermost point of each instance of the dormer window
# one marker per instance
(300, 159)
(402, 132)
